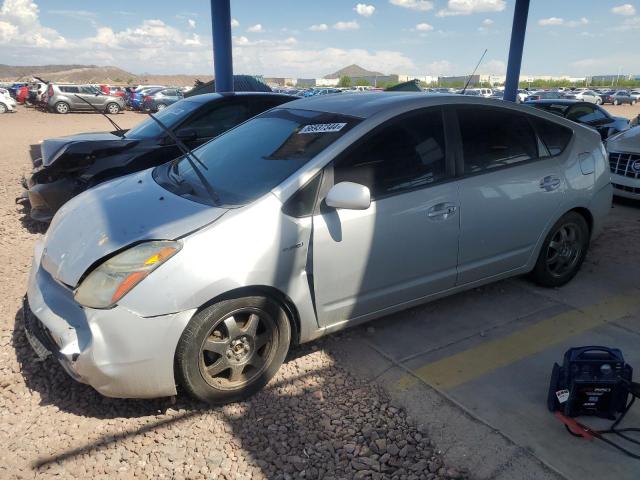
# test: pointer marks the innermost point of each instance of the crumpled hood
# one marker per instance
(83, 144)
(627, 141)
(112, 216)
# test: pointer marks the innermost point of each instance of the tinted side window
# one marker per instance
(495, 138)
(301, 203)
(555, 137)
(69, 89)
(402, 155)
(221, 118)
(585, 114)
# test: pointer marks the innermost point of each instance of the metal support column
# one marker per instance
(518, 30)
(222, 57)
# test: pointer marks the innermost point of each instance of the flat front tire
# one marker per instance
(562, 252)
(232, 348)
(62, 107)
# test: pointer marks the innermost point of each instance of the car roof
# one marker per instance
(207, 97)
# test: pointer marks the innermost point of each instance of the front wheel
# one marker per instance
(562, 252)
(598, 101)
(231, 349)
(113, 108)
(62, 107)
(161, 106)
(3, 108)
(615, 102)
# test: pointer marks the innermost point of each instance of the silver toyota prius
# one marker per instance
(201, 273)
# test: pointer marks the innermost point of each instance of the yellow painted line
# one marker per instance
(470, 364)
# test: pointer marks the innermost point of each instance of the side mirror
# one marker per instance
(349, 195)
(187, 134)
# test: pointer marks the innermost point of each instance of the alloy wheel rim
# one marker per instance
(62, 108)
(3, 109)
(237, 349)
(113, 109)
(564, 250)
(161, 107)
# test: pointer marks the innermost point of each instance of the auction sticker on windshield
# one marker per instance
(322, 128)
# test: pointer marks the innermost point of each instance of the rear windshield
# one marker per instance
(170, 117)
(253, 158)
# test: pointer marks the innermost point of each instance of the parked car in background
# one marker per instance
(161, 99)
(4, 93)
(202, 275)
(586, 113)
(137, 97)
(543, 95)
(584, 96)
(70, 165)
(606, 96)
(117, 91)
(7, 103)
(624, 161)
(635, 94)
(73, 98)
(622, 97)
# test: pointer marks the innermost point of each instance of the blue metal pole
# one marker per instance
(222, 57)
(518, 30)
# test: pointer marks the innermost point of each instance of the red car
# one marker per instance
(22, 94)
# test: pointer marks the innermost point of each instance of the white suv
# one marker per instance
(624, 161)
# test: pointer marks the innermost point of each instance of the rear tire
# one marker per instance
(562, 252)
(113, 108)
(615, 102)
(231, 349)
(62, 108)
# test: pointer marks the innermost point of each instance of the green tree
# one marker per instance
(363, 82)
(344, 81)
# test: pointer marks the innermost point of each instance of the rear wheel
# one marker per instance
(615, 102)
(563, 251)
(231, 349)
(113, 108)
(62, 107)
(633, 102)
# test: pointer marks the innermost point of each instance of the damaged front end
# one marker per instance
(70, 166)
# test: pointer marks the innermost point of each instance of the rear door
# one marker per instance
(510, 191)
(405, 245)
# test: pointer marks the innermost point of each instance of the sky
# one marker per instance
(311, 39)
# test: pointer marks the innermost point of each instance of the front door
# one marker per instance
(405, 245)
(511, 190)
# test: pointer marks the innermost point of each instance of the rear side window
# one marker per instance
(554, 136)
(495, 138)
(70, 89)
(585, 114)
(224, 116)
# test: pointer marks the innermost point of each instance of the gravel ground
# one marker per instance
(314, 420)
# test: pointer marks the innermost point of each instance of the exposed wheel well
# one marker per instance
(586, 214)
(272, 292)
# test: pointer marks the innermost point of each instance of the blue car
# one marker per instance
(136, 99)
(161, 99)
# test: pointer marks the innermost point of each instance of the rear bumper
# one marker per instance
(117, 352)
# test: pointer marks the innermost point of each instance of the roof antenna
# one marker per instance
(473, 73)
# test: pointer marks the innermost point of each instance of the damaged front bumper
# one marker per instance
(116, 351)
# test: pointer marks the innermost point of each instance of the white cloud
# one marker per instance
(321, 27)
(191, 22)
(257, 28)
(468, 7)
(352, 25)
(364, 9)
(626, 10)
(234, 23)
(629, 24)
(494, 67)
(424, 27)
(419, 5)
(20, 26)
(439, 67)
(487, 22)
(561, 22)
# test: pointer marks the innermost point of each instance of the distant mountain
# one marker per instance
(93, 74)
(353, 71)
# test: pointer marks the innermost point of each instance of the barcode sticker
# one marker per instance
(322, 128)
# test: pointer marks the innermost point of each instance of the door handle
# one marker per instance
(441, 211)
(550, 183)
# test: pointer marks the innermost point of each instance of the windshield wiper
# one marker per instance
(117, 127)
(189, 155)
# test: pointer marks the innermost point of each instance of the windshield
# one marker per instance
(253, 158)
(170, 116)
